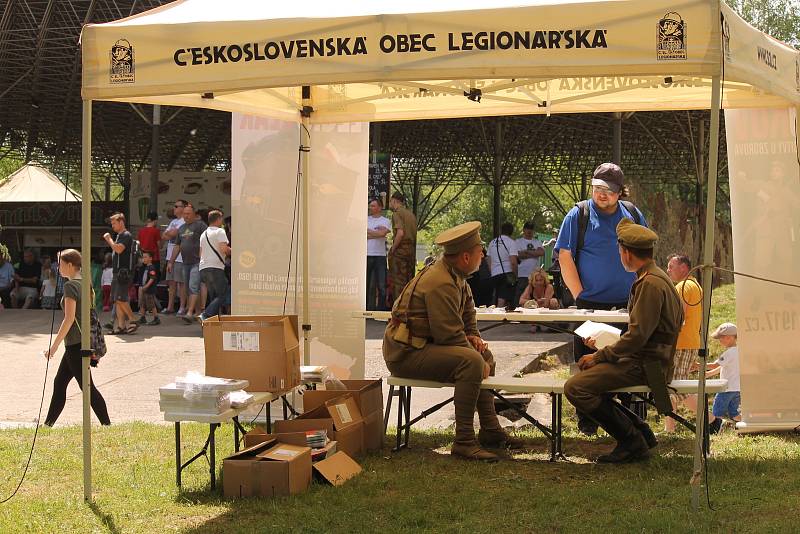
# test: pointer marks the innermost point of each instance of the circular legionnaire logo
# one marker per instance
(122, 64)
(671, 37)
(726, 40)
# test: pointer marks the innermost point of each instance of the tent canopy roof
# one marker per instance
(383, 60)
(33, 183)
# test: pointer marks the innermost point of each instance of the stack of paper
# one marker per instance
(314, 373)
(196, 394)
(240, 399)
(603, 334)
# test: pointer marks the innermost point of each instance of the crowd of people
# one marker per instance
(183, 269)
(194, 266)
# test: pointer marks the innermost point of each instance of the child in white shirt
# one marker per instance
(726, 404)
(105, 281)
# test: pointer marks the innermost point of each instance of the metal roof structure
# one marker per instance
(40, 119)
(40, 103)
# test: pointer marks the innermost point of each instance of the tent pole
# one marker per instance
(708, 273)
(305, 141)
(616, 139)
(86, 286)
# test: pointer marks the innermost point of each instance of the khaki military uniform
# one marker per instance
(403, 260)
(656, 316)
(427, 339)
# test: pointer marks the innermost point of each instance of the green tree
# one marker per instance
(778, 18)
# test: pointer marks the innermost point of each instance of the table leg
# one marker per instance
(408, 415)
(388, 408)
(178, 454)
(401, 397)
(285, 410)
(212, 453)
(269, 417)
(554, 426)
(236, 434)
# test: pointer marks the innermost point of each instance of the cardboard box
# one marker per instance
(349, 440)
(369, 398)
(268, 469)
(258, 435)
(337, 469)
(263, 349)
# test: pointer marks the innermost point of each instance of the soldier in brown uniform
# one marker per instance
(433, 335)
(402, 255)
(656, 316)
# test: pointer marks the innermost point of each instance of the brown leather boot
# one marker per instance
(492, 435)
(465, 397)
(473, 452)
(499, 439)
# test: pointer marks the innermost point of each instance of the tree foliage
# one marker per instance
(778, 18)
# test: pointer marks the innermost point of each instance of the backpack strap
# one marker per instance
(631, 207)
(583, 223)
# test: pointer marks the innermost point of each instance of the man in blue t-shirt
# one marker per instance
(599, 280)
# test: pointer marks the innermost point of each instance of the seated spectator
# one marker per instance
(28, 280)
(6, 281)
(539, 293)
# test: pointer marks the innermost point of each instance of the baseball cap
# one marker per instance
(725, 329)
(609, 175)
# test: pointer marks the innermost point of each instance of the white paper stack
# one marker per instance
(196, 394)
(314, 373)
(602, 333)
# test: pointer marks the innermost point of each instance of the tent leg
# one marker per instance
(86, 301)
(305, 140)
(708, 259)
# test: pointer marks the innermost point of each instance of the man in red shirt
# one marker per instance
(150, 236)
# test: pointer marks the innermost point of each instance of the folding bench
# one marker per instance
(530, 384)
(553, 386)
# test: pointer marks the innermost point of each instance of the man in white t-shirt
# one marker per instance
(378, 227)
(502, 250)
(726, 404)
(214, 247)
(529, 254)
(176, 279)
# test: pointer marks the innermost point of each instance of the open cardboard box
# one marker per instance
(368, 395)
(339, 417)
(267, 469)
(259, 435)
(337, 469)
(263, 349)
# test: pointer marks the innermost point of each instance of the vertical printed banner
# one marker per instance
(267, 235)
(765, 195)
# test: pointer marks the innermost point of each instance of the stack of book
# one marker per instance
(196, 394)
(316, 439)
(315, 374)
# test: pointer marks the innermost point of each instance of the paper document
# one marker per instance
(603, 334)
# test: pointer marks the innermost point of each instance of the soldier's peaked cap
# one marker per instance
(460, 238)
(634, 235)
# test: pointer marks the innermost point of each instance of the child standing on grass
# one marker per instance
(726, 404)
(149, 283)
(105, 282)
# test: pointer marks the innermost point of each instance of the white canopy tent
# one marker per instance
(32, 183)
(375, 60)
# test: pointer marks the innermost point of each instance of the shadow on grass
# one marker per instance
(105, 518)
(425, 489)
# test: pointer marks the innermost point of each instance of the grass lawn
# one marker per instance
(753, 480)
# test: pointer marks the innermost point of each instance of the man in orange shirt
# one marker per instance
(687, 349)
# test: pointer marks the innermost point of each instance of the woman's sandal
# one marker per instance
(132, 327)
(118, 332)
